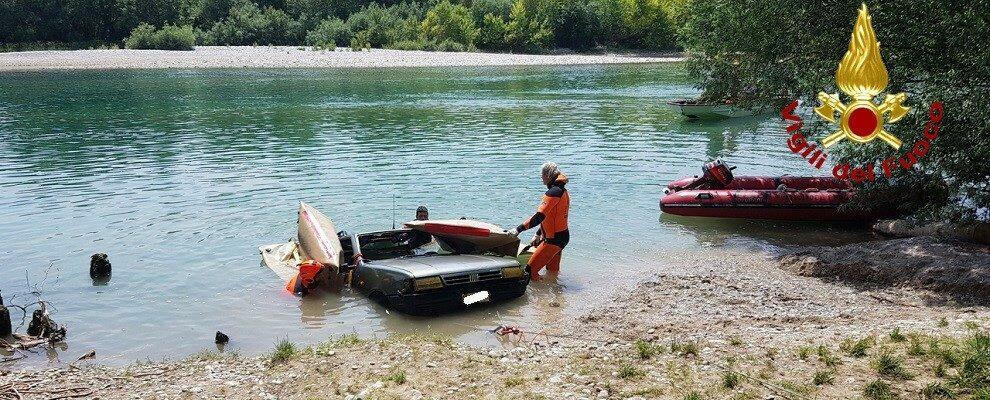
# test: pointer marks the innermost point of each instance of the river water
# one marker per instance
(180, 175)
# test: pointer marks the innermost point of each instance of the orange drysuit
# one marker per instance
(551, 216)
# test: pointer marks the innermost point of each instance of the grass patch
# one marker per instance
(878, 390)
(943, 323)
(514, 381)
(823, 377)
(646, 350)
(857, 348)
(896, 336)
(399, 377)
(936, 390)
(915, 346)
(692, 396)
(735, 341)
(628, 371)
(803, 352)
(973, 370)
(826, 357)
(684, 349)
(326, 348)
(890, 366)
(731, 379)
(284, 350)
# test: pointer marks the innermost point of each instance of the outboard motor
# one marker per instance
(715, 175)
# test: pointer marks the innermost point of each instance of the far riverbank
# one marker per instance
(295, 57)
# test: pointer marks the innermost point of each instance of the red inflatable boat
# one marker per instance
(718, 194)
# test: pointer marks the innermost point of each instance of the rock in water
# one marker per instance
(221, 338)
(37, 324)
(5, 327)
(99, 267)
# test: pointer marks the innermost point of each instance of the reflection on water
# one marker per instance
(180, 175)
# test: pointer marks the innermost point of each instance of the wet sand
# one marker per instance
(292, 57)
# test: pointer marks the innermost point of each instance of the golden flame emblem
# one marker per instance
(862, 76)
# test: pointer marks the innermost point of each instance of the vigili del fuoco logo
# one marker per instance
(862, 76)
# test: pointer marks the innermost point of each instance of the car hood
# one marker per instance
(433, 265)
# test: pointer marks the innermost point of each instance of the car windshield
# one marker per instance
(398, 243)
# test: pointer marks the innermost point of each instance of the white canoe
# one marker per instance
(317, 238)
(470, 236)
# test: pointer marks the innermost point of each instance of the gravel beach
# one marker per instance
(292, 57)
(725, 323)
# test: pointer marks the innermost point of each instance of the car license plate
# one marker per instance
(476, 297)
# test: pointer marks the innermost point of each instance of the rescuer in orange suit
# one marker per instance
(551, 216)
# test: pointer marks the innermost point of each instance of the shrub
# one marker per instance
(360, 41)
(330, 33)
(575, 25)
(527, 31)
(498, 8)
(491, 34)
(447, 22)
(384, 26)
(407, 45)
(247, 24)
(446, 45)
(170, 37)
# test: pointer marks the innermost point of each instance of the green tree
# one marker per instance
(575, 24)
(491, 35)
(169, 37)
(330, 33)
(447, 22)
(248, 24)
(933, 51)
(526, 30)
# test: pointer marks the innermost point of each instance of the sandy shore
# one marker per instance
(725, 324)
(291, 57)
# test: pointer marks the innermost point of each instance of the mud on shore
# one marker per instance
(727, 324)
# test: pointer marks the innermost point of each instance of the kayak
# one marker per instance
(717, 193)
(469, 236)
(695, 110)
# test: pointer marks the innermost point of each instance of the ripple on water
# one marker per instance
(181, 175)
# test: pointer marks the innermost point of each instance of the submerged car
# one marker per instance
(428, 267)
(418, 273)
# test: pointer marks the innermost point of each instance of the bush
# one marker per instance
(575, 25)
(170, 37)
(498, 8)
(447, 22)
(491, 35)
(407, 45)
(249, 25)
(330, 34)
(526, 31)
(446, 45)
(360, 41)
(384, 26)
